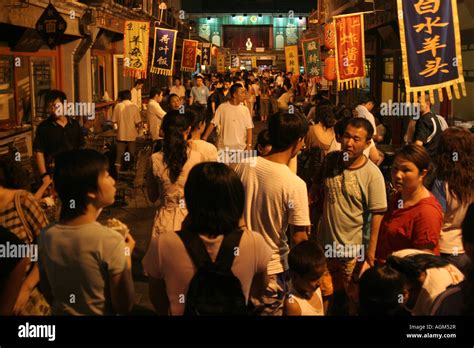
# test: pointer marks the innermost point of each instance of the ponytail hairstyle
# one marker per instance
(174, 145)
(412, 266)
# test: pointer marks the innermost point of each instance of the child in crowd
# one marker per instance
(307, 268)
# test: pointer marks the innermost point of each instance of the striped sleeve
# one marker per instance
(34, 215)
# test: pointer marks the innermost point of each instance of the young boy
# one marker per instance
(307, 268)
(85, 268)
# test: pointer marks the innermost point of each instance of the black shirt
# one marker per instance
(52, 139)
(428, 130)
(218, 97)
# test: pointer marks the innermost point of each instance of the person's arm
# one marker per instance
(374, 234)
(191, 97)
(209, 130)
(40, 161)
(298, 234)
(46, 182)
(291, 307)
(249, 139)
(26, 288)
(158, 296)
(12, 286)
(122, 291)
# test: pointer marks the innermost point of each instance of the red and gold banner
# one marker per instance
(189, 56)
(136, 42)
(350, 51)
(291, 57)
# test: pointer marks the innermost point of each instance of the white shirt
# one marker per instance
(232, 122)
(275, 197)
(126, 115)
(137, 97)
(207, 150)
(179, 91)
(155, 116)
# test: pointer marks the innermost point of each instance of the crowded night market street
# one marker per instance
(235, 159)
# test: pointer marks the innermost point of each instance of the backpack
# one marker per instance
(214, 289)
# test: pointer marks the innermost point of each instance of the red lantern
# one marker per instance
(330, 36)
(330, 68)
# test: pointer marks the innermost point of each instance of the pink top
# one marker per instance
(168, 259)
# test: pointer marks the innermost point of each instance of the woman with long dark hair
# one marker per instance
(414, 217)
(454, 190)
(215, 198)
(170, 168)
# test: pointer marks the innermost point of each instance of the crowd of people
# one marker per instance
(305, 223)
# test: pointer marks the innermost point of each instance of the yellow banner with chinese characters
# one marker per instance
(431, 48)
(136, 42)
(291, 58)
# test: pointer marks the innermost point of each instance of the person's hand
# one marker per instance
(370, 258)
(47, 180)
(22, 299)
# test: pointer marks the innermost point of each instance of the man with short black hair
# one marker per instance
(199, 93)
(127, 117)
(155, 115)
(353, 187)
(277, 200)
(136, 93)
(233, 122)
(56, 134)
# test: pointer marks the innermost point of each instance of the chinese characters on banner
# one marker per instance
(312, 63)
(221, 63)
(291, 57)
(350, 51)
(431, 48)
(206, 54)
(136, 41)
(163, 51)
(188, 59)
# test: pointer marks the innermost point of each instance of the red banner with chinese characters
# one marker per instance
(188, 58)
(350, 51)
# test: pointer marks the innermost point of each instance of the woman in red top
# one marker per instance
(414, 217)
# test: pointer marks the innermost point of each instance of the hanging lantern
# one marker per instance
(330, 67)
(330, 36)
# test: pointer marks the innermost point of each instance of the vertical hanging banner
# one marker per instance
(350, 51)
(431, 48)
(291, 58)
(206, 54)
(311, 54)
(221, 63)
(163, 51)
(136, 42)
(189, 56)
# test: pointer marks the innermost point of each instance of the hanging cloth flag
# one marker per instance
(163, 51)
(291, 57)
(429, 31)
(350, 51)
(221, 63)
(311, 54)
(136, 42)
(189, 56)
(206, 54)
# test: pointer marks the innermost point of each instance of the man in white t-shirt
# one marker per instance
(155, 115)
(233, 122)
(277, 200)
(178, 89)
(136, 92)
(127, 117)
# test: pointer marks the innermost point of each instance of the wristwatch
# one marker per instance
(43, 175)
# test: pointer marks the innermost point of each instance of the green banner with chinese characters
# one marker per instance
(311, 54)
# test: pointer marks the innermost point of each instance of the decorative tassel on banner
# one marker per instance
(456, 91)
(450, 94)
(158, 71)
(440, 95)
(432, 98)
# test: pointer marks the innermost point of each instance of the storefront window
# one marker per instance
(98, 77)
(7, 103)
